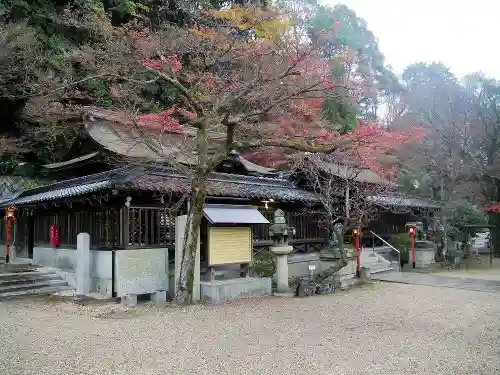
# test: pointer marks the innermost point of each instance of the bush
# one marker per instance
(401, 241)
(264, 264)
(464, 220)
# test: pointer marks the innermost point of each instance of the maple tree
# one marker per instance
(248, 80)
(348, 196)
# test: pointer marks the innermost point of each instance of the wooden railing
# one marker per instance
(310, 237)
(149, 227)
(135, 226)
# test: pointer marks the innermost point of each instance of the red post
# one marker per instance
(9, 217)
(411, 232)
(358, 252)
(8, 234)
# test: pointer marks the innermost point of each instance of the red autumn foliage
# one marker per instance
(492, 208)
(162, 121)
(170, 62)
(275, 97)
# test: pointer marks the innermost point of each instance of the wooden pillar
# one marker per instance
(124, 227)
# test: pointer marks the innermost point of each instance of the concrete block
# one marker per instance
(159, 297)
(424, 257)
(222, 291)
(129, 300)
(365, 273)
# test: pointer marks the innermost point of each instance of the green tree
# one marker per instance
(462, 149)
(341, 31)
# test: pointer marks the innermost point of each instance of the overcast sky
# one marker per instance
(461, 34)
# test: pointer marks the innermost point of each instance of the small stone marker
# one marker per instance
(159, 297)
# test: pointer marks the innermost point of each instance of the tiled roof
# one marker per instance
(117, 133)
(162, 179)
(345, 172)
(403, 201)
(62, 193)
(223, 184)
(68, 188)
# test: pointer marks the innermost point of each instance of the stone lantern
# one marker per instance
(279, 233)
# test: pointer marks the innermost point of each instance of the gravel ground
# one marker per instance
(484, 274)
(378, 329)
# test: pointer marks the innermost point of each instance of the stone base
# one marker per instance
(424, 257)
(159, 297)
(129, 300)
(284, 294)
(348, 281)
(365, 273)
(222, 291)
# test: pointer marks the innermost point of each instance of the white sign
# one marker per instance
(312, 267)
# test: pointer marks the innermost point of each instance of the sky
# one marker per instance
(460, 34)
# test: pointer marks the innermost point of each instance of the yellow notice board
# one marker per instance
(229, 245)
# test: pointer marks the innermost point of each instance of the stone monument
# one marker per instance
(279, 233)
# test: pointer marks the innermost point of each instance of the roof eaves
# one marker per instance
(67, 192)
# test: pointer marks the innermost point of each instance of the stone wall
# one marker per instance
(298, 264)
(64, 261)
(138, 271)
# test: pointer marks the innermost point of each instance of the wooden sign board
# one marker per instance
(229, 245)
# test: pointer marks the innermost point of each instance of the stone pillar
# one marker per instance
(83, 263)
(281, 253)
(180, 226)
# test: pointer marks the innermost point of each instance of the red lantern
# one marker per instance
(54, 236)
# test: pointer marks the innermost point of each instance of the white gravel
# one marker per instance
(483, 274)
(378, 329)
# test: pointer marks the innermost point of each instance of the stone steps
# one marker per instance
(25, 275)
(382, 268)
(378, 263)
(30, 283)
(48, 290)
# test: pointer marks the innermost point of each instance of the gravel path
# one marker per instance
(440, 280)
(483, 274)
(378, 329)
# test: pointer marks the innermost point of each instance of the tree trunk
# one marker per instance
(493, 217)
(184, 291)
(341, 263)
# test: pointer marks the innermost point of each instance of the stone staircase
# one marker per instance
(29, 282)
(376, 262)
